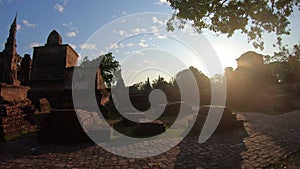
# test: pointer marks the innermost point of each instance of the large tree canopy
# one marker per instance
(285, 53)
(251, 17)
(108, 66)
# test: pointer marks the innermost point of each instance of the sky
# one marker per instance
(79, 23)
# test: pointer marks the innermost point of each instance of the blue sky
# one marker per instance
(78, 20)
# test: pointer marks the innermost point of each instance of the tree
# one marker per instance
(283, 66)
(251, 17)
(108, 66)
(285, 54)
(203, 82)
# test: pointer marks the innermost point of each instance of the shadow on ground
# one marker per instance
(220, 151)
(29, 145)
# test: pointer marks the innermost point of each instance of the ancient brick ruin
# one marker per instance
(255, 82)
(15, 120)
(49, 73)
(15, 108)
(8, 59)
(42, 84)
(51, 78)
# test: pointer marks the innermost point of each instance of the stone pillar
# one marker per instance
(25, 69)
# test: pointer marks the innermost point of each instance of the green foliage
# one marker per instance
(285, 53)
(108, 66)
(280, 71)
(250, 17)
(217, 80)
(202, 80)
(161, 83)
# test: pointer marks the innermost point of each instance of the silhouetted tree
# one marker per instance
(161, 83)
(202, 81)
(108, 66)
(285, 53)
(282, 63)
(250, 17)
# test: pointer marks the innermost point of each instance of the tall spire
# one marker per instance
(15, 20)
(10, 67)
(11, 40)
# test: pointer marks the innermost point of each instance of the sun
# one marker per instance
(227, 55)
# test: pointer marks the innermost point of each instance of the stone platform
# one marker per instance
(16, 111)
(63, 125)
(13, 93)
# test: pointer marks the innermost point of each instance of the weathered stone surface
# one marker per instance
(53, 72)
(13, 93)
(228, 121)
(24, 73)
(44, 105)
(69, 125)
(62, 125)
(8, 58)
(54, 39)
(89, 120)
(15, 120)
(51, 60)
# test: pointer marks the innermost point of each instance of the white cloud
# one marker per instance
(160, 36)
(130, 45)
(88, 46)
(148, 62)
(138, 52)
(142, 43)
(59, 8)
(71, 34)
(161, 2)
(114, 46)
(34, 44)
(121, 32)
(68, 25)
(154, 29)
(72, 31)
(138, 30)
(156, 20)
(28, 24)
(124, 12)
(18, 27)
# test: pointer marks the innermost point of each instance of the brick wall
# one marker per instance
(15, 120)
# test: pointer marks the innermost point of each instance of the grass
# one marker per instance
(21, 133)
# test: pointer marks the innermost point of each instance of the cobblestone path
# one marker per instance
(265, 139)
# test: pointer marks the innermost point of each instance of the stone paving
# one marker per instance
(265, 139)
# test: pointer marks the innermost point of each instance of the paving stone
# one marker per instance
(256, 145)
